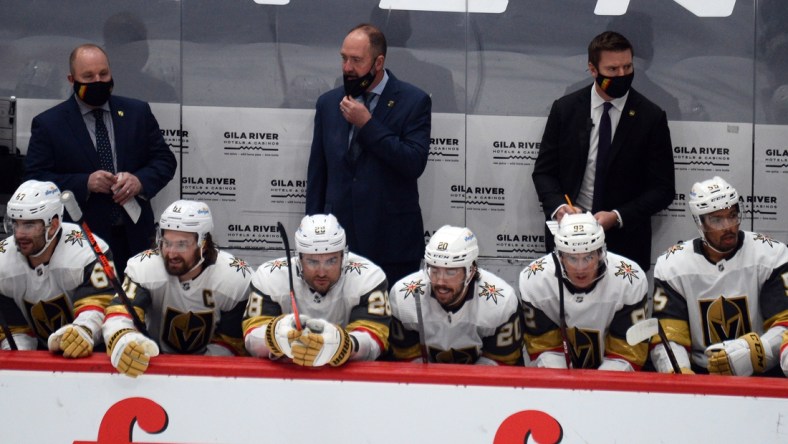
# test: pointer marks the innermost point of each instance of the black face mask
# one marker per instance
(615, 87)
(356, 87)
(94, 93)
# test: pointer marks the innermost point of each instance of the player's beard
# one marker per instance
(30, 245)
(447, 296)
(178, 266)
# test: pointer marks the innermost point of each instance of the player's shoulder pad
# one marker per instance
(492, 290)
(272, 276)
(11, 263)
(147, 269)
(538, 269)
(232, 271)
(402, 296)
(766, 249)
(535, 276)
(627, 273)
(361, 275)
(73, 250)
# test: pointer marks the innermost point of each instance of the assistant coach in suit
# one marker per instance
(136, 164)
(635, 181)
(363, 166)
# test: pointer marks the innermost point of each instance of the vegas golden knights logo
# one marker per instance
(49, 316)
(584, 348)
(724, 319)
(188, 332)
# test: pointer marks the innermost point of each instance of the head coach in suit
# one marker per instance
(108, 150)
(608, 149)
(370, 145)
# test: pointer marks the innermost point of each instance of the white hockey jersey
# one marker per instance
(597, 320)
(359, 299)
(185, 317)
(487, 324)
(55, 293)
(700, 303)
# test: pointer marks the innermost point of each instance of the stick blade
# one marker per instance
(642, 331)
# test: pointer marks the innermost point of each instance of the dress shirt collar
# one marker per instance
(84, 108)
(597, 100)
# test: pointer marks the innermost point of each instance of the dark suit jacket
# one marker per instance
(377, 199)
(640, 179)
(61, 151)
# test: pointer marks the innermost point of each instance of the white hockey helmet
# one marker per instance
(189, 216)
(452, 247)
(711, 195)
(35, 200)
(319, 234)
(579, 233)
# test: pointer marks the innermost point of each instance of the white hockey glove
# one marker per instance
(280, 334)
(74, 341)
(661, 361)
(739, 357)
(616, 365)
(130, 352)
(322, 343)
(23, 342)
(550, 359)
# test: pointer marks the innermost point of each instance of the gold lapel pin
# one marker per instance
(390, 104)
(120, 113)
(632, 113)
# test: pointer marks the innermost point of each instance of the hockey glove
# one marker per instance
(739, 357)
(322, 343)
(74, 341)
(130, 352)
(280, 333)
(550, 359)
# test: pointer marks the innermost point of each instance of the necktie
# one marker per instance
(103, 146)
(355, 148)
(602, 153)
(104, 150)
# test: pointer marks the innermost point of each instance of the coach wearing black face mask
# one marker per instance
(607, 148)
(370, 145)
(108, 150)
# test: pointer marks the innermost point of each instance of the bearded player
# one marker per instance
(722, 298)
(190, 295)
(342, 299)
(469, 315)
(52, 289)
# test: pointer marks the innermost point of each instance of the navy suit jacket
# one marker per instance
(640, 180)
(376, 199)
(61, 151)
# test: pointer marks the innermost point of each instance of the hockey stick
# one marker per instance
(7, 332)
(425, 357)
(68, 200)
(644, 330)
(562, 322)
(282, 232)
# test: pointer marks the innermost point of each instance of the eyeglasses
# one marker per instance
(722, 222)
(579, 261)
(181, 246)
(26, 227)
(436, 273)
(314, 264)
